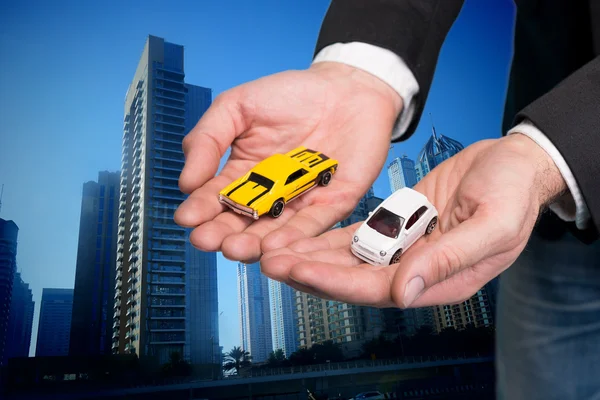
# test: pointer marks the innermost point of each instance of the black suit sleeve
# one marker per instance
(569, 115)
(415, 30)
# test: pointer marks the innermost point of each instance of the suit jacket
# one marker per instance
(554, 80)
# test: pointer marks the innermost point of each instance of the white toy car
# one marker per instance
(395, 225)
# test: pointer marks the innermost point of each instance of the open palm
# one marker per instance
(488, 198)
(334, 109)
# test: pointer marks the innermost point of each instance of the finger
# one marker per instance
(203, 204)
(480, 237)
(458, 288)
(247, 244)
(278, 263)
(306, 223)
(333, 239)
(363, 284)
(210, 235)
(208, 141)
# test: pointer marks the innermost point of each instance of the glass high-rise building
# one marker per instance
(166, 290)
(93, 295)
(283, 325)
(20, 324)
(8, 266)
(437, 149)
(55, 322)
(254, 312)
(401, 173)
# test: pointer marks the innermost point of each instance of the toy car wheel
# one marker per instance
(325, 178)
(396, 257)
(431, 225)
(277, 208)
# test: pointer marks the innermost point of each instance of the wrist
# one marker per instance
(332, 70)
(549, 183)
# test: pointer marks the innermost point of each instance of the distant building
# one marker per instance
(166, 290)
(8, 266)
(283, 325)
(437, 149)
(401, 173)
(20, 324)
(254, 312)
(94, 292)
(55, 322)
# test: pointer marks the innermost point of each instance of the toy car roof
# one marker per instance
(279, 166)
(405, 201)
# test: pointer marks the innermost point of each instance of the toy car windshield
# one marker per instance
(386, 222)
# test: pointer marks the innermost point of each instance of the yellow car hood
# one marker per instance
(245, 193)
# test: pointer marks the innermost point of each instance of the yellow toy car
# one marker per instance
(276, 181)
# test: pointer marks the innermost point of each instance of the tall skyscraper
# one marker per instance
(94, 292)
(401, 172)
(55, 322)
(283, 324)
(8, 266)
(166, 291)
(18, 336)
(254, 312)
(437, 149)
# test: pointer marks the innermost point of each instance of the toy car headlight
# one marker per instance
(220, 197)
(382, 253)
(356, 238)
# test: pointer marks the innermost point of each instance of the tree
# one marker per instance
(236, 359)
(276, 358)
(176, 366)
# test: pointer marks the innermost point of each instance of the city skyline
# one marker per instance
(71, 148)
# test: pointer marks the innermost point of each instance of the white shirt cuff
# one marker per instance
(570, 206)
(385, 65)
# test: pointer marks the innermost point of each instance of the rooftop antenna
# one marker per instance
(433, 127)
(1, 193)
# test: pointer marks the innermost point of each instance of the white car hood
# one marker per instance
(374, 239)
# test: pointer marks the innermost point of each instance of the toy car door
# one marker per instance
(415, 226)
(295, 183)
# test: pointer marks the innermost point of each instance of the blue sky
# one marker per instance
(66, 66)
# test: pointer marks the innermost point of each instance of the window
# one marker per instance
(296, 175)
(415, 217)
(386, 222)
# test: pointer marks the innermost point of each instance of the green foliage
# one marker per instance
(236, 359)
(176, 366)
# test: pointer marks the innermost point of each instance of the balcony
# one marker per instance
(133, 268)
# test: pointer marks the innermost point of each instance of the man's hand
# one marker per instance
(489, 197)
(344, 112)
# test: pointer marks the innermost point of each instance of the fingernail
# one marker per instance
(413, 289)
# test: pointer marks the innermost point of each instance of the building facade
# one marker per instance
(166, 291)
(9, 232)
(437, 149)
(283, 325)
(402, 173)
(54, 326)
(254, 312)
(94, 291)
(20, 323)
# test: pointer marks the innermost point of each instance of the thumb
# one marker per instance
(478, 238)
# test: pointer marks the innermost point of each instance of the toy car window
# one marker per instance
(422, 211)
(261, 180)
(386, 223)
(295, 175)
(414, 218)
